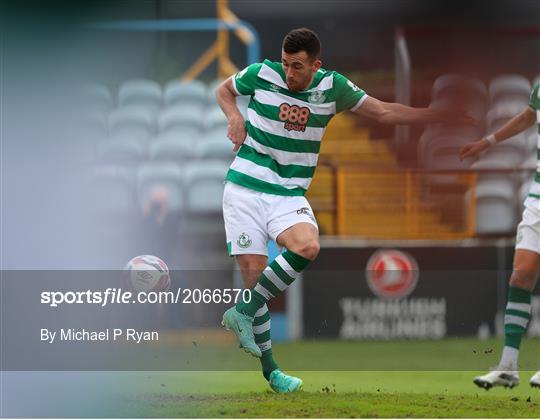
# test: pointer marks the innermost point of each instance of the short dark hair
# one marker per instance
(302, 39)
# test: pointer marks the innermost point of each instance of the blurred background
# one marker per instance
(113, 146)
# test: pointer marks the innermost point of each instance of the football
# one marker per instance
(147, 273)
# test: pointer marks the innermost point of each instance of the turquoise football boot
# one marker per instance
(242, 326)
(282, 383)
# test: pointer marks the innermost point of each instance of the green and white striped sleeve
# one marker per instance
(244, 81)
(348, 95)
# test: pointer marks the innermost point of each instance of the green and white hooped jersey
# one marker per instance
(284, 128)
(534, 103)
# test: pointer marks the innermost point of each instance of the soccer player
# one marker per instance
(526, 259)
(291, 104)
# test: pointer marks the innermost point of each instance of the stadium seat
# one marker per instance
(185, 93)
(122, 149)
(459, 87)
(218, 133)
(131, 121)
(494, 170)
(212, 87)
(495, 207)
(513, 151)
(505, 110)
(221, 149)
(442, 152)
(172, 149)
(141, 93)
(215, 119)
(181, 116)
(509, 86)
(204, 186)
(187, 135)
(166, 175)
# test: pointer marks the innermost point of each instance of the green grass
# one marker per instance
(420, 379)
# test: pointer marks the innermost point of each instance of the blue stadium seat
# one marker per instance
(122, 149)
(142, 93)
(172, 149)
(218, 133)
(181, 116)
(131, 121)
(164, 175)
(212, 91)
(215, 120)
(185, 93)
(218, 149)
(204, 186)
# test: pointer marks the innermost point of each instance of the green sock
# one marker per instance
(261, 329)
(517, 316)
(268, 364)
(274, 279)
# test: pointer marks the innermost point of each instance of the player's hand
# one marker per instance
(473, 149)
(236, 131)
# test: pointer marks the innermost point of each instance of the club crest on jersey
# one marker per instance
(392, 274)
(316, 97)
(294, 117)
(244, 241)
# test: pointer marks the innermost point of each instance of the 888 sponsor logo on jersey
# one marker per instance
(294, 116)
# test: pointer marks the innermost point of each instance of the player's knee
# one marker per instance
(309, 249)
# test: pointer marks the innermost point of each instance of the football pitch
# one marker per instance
(421, 379)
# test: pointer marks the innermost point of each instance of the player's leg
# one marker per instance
(518, 308)
(302, 243)
(245, 228)
(517, 315)
(251, 267)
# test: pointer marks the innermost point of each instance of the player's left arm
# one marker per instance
(395, 113)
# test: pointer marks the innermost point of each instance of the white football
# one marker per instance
(147, 273)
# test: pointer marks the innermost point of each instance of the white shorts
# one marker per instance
(528, 231)
(252, 217)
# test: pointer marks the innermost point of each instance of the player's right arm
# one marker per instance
(516, 125)
(226, 98)
(241, 83)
